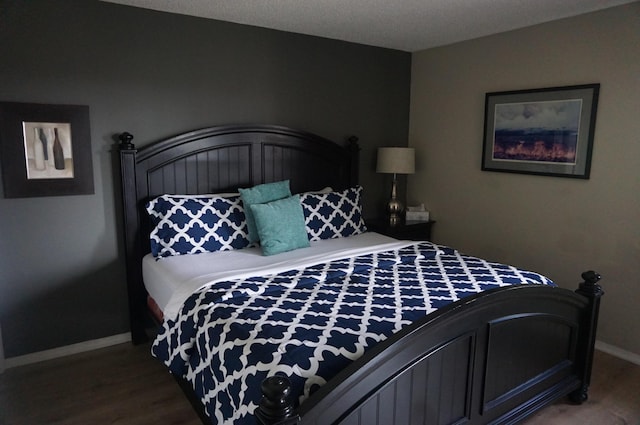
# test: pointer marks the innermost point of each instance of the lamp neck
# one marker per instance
(393, 187)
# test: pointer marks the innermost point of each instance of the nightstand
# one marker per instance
(411, 230)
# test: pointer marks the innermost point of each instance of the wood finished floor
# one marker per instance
(125, 385)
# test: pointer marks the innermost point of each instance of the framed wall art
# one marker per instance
(46, 150)
(545, 131)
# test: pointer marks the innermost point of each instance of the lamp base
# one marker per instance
(394, 208)
(394, 219)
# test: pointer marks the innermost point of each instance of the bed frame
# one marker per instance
(496, 357)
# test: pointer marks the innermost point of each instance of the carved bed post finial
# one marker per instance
(590, 289)
(275, 406)
(125, 141)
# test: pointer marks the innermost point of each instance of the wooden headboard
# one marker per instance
(219, 159)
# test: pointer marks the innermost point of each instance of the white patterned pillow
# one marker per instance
(195, 224)
(333, 215)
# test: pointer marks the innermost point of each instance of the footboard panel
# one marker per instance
(524, 355)
(495, 358)
(436, 386)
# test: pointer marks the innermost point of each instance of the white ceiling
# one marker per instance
(408, 25)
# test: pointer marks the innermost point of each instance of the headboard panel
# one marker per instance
(219, 159)
(205, 171)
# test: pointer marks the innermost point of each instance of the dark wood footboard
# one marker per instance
(493, 358)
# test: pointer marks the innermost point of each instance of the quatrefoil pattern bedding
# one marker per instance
(191, 224)
(310, 323)
(195, 224)
(333, 215)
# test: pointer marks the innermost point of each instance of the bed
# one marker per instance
(496, 355)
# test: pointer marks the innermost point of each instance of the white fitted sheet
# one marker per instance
(171, 280)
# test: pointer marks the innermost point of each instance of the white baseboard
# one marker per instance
(618, 352)
(67, 350)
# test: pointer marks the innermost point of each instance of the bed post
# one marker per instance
(131, 225)
(275, 407)
(590, 289)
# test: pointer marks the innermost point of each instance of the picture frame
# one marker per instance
(546, 131)
(46, 150)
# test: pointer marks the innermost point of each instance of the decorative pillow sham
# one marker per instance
(333, 215)
(261, 194)
(280, 225)
(193, 224)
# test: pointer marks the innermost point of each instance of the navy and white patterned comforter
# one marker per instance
(310, 323)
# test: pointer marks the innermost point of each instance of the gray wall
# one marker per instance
(558, 226)
(156, 75)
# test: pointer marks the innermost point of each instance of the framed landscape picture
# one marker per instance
(541, 131)
(46, 150)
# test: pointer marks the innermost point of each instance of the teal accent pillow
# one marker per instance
(261, 194)
(280, 225)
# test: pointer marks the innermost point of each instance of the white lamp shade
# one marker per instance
(396, 160)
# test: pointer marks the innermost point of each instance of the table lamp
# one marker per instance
(392, 160)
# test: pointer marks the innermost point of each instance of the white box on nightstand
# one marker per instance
(417, 216)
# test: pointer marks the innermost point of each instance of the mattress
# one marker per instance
(170, 281)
